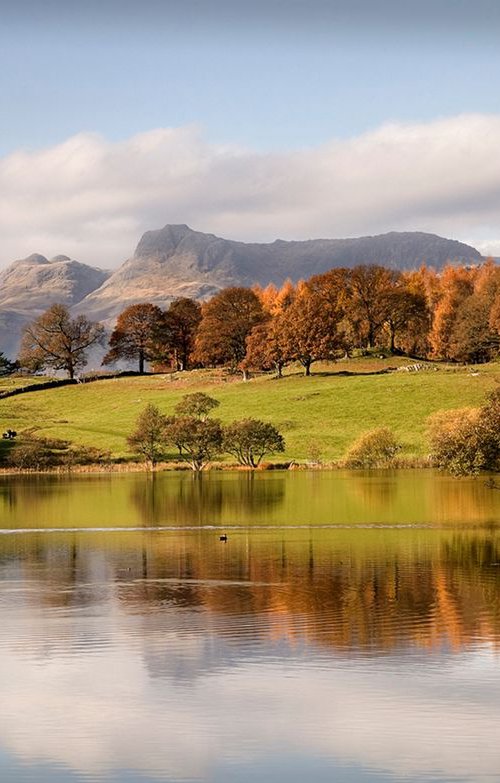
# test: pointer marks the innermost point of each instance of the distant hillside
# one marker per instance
(177, 261)
(29, 286)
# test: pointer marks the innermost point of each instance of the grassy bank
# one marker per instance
(323, 413)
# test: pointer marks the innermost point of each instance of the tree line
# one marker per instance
(451, 315)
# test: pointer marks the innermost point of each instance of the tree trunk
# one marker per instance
(392, 345)
(307, 367)
(141, 363)
(371, 336)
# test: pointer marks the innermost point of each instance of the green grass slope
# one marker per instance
(325, 412)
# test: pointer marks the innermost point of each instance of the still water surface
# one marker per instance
(349, 630)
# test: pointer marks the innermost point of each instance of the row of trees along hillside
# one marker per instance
(452, 315)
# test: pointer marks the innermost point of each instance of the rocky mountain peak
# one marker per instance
(32, 260)
(165, 241)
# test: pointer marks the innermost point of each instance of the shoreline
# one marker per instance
(413, 463)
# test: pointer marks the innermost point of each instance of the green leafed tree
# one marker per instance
(197, 441)
(6, 367)
(54, 340)
(197, 404)
(249, 440)
(149, 437)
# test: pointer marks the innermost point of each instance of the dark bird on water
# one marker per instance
(223, 537)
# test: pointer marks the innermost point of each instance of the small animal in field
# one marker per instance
(223, 537)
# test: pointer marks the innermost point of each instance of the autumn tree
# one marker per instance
(471, 338)
(249, 440)
(181, 322)
(148, 438)
(310, 327)
(227, 320)
(368, 288)
(197, 441)
(456, 285)
(266, 347)
(54, 340)
(197, 404)
(406, 317)
(136, 335)
(487, 290)
(275, 300)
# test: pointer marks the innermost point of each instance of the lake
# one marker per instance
(347, 631)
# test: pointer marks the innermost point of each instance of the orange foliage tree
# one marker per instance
(368, 290)
(136, 334)
(310, 327)
(227, 320)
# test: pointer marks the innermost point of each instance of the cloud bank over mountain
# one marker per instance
(93, 197)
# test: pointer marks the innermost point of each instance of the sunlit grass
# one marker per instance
(323, 413)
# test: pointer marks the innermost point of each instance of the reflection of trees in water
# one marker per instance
(27, 490)
(195, 499)
(463, 501)
(377, 490)
(342, 598)
(8, 497)
(66, 573)
(353, 591)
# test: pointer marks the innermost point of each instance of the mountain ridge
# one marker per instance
(178, 261)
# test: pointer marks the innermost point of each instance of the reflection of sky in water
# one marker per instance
(98, 690)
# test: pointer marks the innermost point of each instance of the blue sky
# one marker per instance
(276, 78)
(270, 78)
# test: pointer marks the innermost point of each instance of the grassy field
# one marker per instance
(323, 413)
(9, 382)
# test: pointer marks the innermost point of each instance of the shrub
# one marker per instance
(32, 453)
(455, 441)
(36, 453)
(249, 440)
(467, 441)
(373, 449)
(85, 455)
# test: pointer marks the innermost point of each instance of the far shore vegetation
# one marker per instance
(400, 369)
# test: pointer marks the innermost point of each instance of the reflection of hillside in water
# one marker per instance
(194, 499)
(366, 590)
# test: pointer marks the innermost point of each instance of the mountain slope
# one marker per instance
(29, 286)
(177, 261)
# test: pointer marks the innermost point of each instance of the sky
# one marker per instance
(254, 121)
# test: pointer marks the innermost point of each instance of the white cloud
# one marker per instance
(92, 199)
